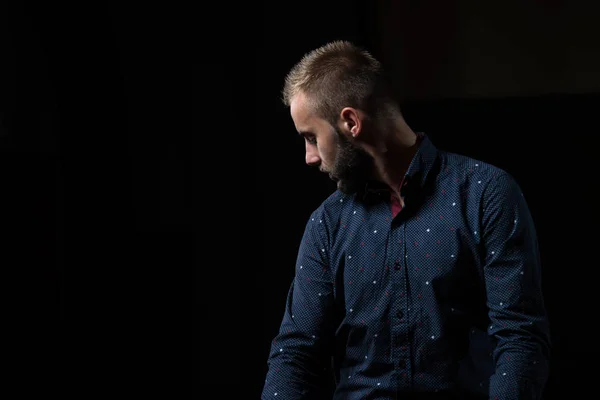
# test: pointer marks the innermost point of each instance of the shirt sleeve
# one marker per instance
(512, 272)
(299, 360)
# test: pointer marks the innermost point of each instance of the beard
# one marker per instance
(352, 167)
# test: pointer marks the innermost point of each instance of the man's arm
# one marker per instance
(511, 266)
(301, 352)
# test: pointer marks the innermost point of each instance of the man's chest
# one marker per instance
(436, 247)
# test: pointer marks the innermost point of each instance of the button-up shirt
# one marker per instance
(388, 293)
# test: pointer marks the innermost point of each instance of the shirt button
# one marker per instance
(402, 364)
(397, 265)
(400, 314)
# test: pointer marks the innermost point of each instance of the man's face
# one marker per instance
(329, 149)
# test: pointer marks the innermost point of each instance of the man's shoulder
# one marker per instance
(464, 166)
(334, 202)
(332, 206)
(477, 176)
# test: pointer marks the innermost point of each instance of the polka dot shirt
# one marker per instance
(387, 291)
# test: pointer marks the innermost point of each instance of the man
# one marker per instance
(416, 250)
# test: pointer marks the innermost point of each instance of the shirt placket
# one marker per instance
(399, 304)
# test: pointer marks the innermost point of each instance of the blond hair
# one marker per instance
(337, 75)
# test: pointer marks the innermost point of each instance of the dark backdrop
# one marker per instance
(96, 218)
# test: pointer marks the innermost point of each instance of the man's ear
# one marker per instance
(351, 123)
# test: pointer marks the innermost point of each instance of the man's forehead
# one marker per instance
(298, 104)
(300, 112)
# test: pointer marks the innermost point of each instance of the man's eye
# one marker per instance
(311, 139)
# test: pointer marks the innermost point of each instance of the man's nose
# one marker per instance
(312, 155)
(312, 158)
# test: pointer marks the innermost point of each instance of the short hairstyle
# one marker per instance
(337, 75)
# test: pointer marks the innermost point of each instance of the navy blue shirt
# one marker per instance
(388, 301)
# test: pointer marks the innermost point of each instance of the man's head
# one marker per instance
(337, 96)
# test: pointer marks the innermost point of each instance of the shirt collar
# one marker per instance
(418, 170)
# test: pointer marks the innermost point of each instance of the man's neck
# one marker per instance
(392, 159)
